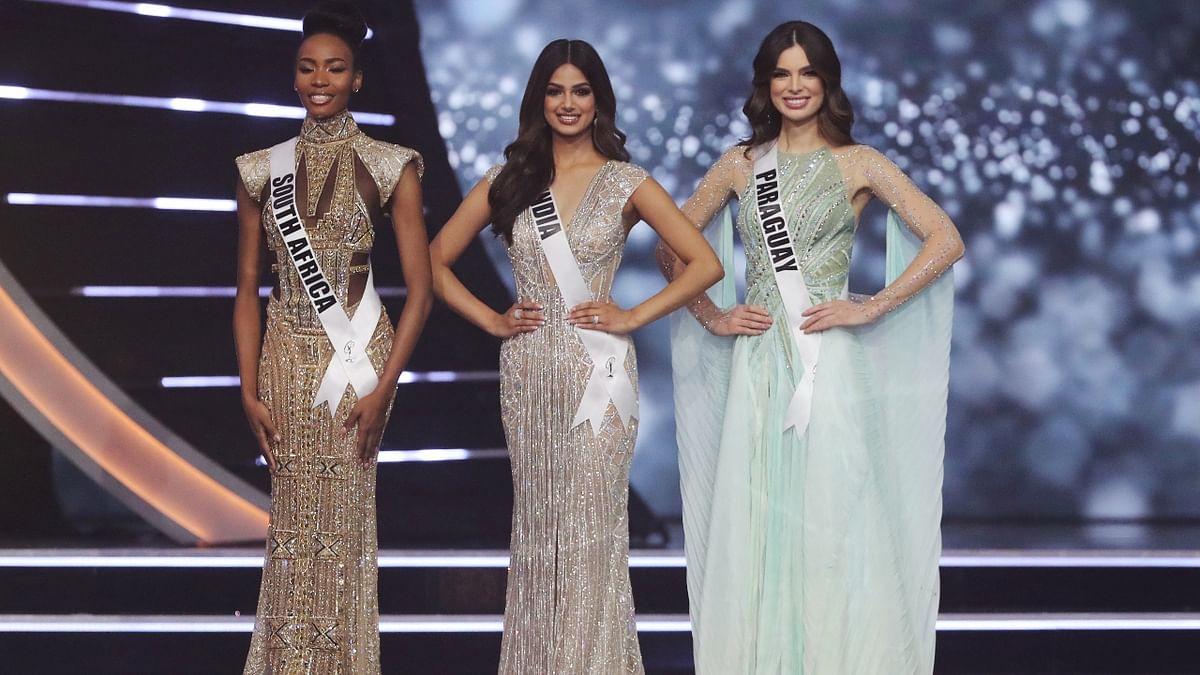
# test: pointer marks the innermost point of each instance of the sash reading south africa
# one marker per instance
(790, 281)
(350, 364)
(607, 352)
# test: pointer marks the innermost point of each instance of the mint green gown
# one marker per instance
(815, 553)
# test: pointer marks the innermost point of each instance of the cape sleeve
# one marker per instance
(254, 168)
(386, 162)
(700, 370)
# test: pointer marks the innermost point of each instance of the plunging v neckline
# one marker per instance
(587, 192)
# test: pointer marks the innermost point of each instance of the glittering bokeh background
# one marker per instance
(1061, 136)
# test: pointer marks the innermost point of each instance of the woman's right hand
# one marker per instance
(259, 419)
(741, 320)
(522, 317)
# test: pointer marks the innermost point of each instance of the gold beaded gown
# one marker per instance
(318, 611)
(569, 608)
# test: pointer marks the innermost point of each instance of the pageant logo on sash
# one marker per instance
(789, 279)
(350, 366)
(608, 380)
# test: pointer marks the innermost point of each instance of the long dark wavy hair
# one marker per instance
(529, 160)
(836, 116)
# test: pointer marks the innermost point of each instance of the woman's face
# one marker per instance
(325, 75)
(570, 104)
(796, 91)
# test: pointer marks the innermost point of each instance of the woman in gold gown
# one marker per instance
(318, 609)
(568, 608)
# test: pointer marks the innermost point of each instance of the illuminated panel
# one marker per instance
(252, 109)
(169, 12)
(71, 410)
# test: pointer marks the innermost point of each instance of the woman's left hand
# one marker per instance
(836, 313)
(606, 317)
(370, 413)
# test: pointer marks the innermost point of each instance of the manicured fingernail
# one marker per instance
(277, 438)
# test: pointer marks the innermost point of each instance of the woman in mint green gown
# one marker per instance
(811, 422)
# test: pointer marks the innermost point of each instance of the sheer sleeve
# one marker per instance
(941, 244)
(717, 187)
(710, 197)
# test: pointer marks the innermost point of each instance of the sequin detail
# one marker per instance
(318, 609)
(569, 608)
(824, 240)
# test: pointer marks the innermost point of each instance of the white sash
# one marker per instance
(789, 279)
(607, 352)
(350, 364)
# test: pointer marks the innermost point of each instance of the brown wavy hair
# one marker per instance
(529, 160)
(836, 116)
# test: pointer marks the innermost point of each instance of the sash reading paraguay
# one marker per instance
(608, 379)
(350, 364)
(790, 281)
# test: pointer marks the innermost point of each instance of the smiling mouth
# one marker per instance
(796, 102)
(320, 99)
(568, 120)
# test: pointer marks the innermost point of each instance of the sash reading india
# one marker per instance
(790, 281)
(608, 380)
(350, 364)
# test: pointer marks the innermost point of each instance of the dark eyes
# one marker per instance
(578, 91)
(310, 69)
(806, 73)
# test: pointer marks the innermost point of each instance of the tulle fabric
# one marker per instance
(815, 553)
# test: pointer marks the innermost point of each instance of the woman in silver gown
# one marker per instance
(569, 608)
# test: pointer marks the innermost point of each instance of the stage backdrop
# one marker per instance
(1060, 135)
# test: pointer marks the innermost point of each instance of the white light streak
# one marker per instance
(1090, 559)
(1063, 622)
(208, 16)
(487, 623)
(101, 201)
(450, 376)
(491, 623)
(200, 381)
(441, 454)
(182, 104)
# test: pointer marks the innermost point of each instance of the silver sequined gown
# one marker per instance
(318, 611)
(569, 608)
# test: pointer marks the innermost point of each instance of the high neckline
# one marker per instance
(337, 127)
(804, 153)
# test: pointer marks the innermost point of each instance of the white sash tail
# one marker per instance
(350, 364)
(781, 250)
(608, 380)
